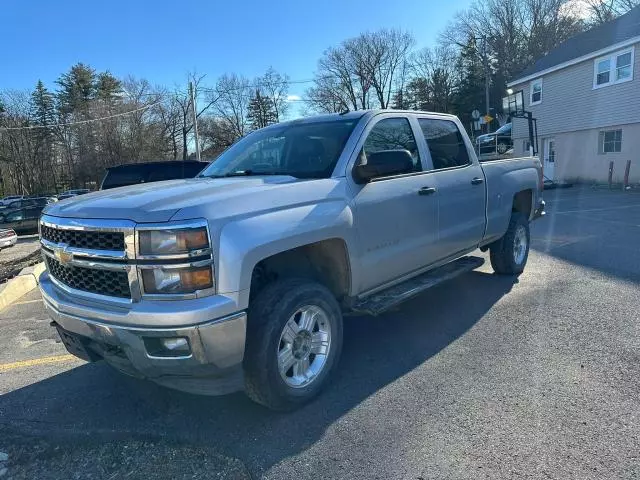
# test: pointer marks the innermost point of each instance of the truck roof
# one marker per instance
(352, 115)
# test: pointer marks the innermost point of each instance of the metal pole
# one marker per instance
(625, 185)
(485, 62)
(195, 119)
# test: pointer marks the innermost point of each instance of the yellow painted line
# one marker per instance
(5, 367)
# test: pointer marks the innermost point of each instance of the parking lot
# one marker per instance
(484, 377)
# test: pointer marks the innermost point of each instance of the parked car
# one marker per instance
(72, 193)
(24, 220)
(27, 202)
(79, 191)
(238, 279)
(64, 196)
(10, 199)
(8, 238)
(499, 141)
(135, 173)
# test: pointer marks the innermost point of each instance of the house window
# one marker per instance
(603, 72)
(615, 68)
(536, 92)
(610, 141)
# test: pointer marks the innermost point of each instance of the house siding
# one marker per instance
(573, 113)
(570, 103)
(577, 158)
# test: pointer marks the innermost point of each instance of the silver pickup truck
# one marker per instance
(238, 279)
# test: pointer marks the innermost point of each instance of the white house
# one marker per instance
(585, 95)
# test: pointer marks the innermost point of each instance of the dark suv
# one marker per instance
(134, 173)
(497, 142)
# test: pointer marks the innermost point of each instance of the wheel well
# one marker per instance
(326, 262)
(522, 202)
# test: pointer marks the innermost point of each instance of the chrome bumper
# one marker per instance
(214, 365)
(9, 241)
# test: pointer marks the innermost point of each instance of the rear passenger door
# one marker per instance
(31, 218)
(460, 184)
(14, 220)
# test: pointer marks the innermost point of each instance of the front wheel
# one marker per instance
(509, 254)
(294, 340)
(502, 148)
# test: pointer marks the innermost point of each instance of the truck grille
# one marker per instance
(103, 282)
(92, 240)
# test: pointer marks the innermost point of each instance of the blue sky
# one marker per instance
(161, 40)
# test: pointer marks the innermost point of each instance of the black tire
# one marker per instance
(502, 148)
(268, 314)
(503, 257)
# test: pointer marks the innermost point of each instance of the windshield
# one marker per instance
(504, 129)
(308, 150)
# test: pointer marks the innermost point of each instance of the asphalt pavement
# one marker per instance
(484, 377)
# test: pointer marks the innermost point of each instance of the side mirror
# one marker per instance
(382, 164)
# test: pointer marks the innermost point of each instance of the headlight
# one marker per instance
(182, 263)
(173, 242)
(177, 281)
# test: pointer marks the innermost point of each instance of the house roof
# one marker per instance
(623, 28)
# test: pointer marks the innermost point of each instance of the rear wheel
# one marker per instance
(509, 254)
(294, 340)
(502, 148)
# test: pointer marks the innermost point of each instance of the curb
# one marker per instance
(15, 288)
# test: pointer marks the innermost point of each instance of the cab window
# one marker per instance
(445, 142)
(393, 134)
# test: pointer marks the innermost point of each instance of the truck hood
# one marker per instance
(192, 198)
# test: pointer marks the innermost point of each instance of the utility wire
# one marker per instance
(89, 120)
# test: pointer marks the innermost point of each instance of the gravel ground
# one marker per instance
(485, 377)
(23, 254)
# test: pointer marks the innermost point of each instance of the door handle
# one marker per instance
(426, 191)
(477, 181)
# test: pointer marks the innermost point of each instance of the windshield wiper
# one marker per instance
(247, 173)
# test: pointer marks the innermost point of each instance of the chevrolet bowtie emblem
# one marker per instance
(62, 255)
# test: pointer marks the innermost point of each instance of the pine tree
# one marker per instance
(107, 87)
(42, 105)
(77, 87)
(470, 93)
(260, 112)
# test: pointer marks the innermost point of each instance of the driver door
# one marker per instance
(396, 216)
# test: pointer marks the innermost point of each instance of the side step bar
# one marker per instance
(379, 302)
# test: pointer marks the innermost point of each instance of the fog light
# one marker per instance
(167, 347)
(175, 344)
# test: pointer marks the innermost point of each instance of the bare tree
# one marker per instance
(381, 55)
(275, 87)
(233, 93)
(439, 68)
(602, 11)
(515, 32)
(361, 72)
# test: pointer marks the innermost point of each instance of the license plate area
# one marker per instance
(76, 345)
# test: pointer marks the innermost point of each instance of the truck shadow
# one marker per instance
(95, 402)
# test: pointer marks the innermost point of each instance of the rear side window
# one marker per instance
(393, 134)
(445, 143)
(15, 216)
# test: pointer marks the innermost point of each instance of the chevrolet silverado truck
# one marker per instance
(239, 278)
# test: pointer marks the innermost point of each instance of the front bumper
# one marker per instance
(8, 241)
(213, 366)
